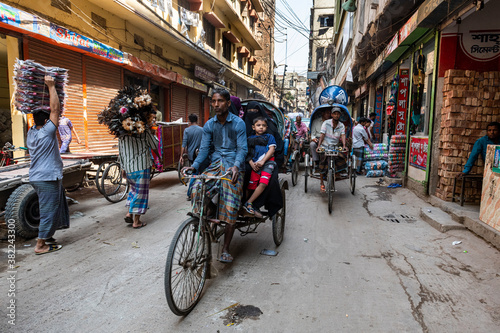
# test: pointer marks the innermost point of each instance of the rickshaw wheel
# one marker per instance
(185, 277)
(98, 175)
(306, 171)
(279, 219)
(352, 175)
(295, 171)
(330, 189)
(179, 173)
(114, 186)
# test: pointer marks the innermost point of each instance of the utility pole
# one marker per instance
(284, 71)
(282, 85)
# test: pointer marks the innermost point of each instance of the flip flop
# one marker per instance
(143, 224)
(323, 188)
(128, 219)
(51, 241)
(226, 258)
(52, 248)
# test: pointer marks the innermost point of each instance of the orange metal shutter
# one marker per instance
(103, 82)
(50, 55)
(179, 103)
(194, 105)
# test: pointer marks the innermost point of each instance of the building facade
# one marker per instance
(178, 50)
(430, 71)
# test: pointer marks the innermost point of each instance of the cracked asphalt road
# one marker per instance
(352, 271)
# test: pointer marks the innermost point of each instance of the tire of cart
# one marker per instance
(114, 186)
(22, 207)
(280, 216)
(98, 175)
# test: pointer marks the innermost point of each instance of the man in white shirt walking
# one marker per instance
(359, 138)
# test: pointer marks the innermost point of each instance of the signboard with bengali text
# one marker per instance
(377, 126)
(402, 103)
(418, 152)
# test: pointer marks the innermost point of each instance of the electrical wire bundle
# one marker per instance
(32, 95)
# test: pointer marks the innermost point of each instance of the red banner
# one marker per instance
(402, 105)
(418, 152)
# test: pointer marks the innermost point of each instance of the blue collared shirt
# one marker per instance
(226, 142)
(479, 148)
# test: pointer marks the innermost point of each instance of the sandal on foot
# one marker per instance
(249, 208)
(51, 241)
(323, 188)
(143, 224)
(128, 219)
(52, 248)
(226, 258)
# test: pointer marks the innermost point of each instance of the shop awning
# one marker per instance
(139, 66)
(214, 20)
(232, 37)
(253, 13)
(195, 5)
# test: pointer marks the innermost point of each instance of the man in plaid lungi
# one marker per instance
(359, 138)
(135, 157)
(224, 137)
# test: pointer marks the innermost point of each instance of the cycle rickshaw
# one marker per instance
(332, 153)
(190, 255)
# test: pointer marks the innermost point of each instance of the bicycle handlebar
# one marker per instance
(228, 174)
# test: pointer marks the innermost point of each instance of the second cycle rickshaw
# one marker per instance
(332, 154)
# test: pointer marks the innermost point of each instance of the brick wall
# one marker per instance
(471, 100)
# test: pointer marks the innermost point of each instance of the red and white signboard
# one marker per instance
(474, 44)
(402, 104)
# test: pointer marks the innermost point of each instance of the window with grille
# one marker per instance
(326, 21)
(226, 48)
(240, 61)
(209, 33)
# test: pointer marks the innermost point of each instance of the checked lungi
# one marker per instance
(54, 212)
(138, 196)
(358, 155)
(229, 194)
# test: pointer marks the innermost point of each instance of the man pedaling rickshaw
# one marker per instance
(224, 144)
(332, 133)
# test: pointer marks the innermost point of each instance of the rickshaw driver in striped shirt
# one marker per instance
(224, 137)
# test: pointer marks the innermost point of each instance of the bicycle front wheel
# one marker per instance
(295, 170)
(186, 269)
(330, 189)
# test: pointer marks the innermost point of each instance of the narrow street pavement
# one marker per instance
(351, 271)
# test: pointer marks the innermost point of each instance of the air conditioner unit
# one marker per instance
(374, 4)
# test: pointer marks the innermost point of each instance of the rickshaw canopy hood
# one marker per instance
(345, 116)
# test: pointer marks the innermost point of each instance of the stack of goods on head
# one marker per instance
(397, 153)
(376, 164)
(32, 94)
(129, 113)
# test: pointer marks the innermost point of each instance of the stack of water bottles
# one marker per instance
(376, 160)
(32, 94)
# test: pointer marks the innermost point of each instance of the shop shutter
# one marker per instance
(178, 103)
(380, 81)
(103, 82)
(50, 55)
(389, 75)
(194, 104)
